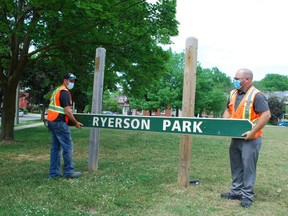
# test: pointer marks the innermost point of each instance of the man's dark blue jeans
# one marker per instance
(61, 139)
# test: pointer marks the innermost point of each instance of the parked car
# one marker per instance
(20, 113)
(283, 123)
(107, 112)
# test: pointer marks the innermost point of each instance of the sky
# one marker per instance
(234, 34)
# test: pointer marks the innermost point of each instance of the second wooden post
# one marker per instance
(188, 103)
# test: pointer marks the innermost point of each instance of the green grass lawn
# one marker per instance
(137, 176)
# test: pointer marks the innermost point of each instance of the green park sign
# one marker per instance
(183, 125)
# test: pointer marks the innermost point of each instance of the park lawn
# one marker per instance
(137, 176)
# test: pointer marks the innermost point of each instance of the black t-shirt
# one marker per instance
(64, 102)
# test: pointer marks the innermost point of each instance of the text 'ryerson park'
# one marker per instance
(145, 124)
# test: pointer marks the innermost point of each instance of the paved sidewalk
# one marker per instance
(28, 126)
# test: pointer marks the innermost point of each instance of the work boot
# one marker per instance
(246, 203)
(231, 196)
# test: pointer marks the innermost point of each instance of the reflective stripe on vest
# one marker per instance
(53, 104)
(57, 109)
(249, 103)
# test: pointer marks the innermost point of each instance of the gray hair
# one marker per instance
(247, 73)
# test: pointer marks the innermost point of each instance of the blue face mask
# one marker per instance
(70, 85)
(237, 84)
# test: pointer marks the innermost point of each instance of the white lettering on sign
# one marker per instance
(126, 123)
(118, 122)
(145, 124)
(166, 123)
(196, 127)
(185, 127)
(135, 123)
(176, 126)
(103, 120)
(95, 121)
(110, 122)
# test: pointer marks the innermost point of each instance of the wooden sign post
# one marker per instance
(94, 140)
(188, 102)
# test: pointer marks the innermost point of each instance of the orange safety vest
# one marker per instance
(245, 110)
(54, 106)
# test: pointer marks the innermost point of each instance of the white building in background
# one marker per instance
(124, 103)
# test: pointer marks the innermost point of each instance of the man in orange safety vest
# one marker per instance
(245, 102)
(58, 117)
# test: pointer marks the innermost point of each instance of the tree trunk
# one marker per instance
(177, 112)
(8, 112)
(17, 65)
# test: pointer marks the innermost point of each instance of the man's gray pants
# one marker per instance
(243, 160)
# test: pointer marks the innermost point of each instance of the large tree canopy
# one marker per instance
(63, 35)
